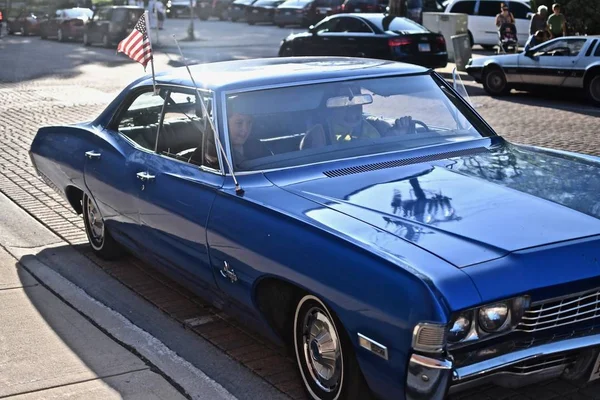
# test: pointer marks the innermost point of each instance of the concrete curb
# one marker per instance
(193, 381)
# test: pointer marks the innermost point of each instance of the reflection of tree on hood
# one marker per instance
(422, 209)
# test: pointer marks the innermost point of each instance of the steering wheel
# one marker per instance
(416, 122)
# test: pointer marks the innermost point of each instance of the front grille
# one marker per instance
(560, 312)
(542, 363)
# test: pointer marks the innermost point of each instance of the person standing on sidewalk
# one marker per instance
(557, 23)
(160, 13)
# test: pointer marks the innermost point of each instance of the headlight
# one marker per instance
(492, 318)
(459, 328)
(487, 321)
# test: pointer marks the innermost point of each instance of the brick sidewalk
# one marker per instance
(77, 87)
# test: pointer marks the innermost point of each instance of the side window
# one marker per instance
(140, 121)
(352, 25)
(328, 26)
(519, 10)
(597, 52)
(563, 47)
(186, 133)
(489, 8)
(464, 7)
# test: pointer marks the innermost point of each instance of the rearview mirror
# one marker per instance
(345, 101)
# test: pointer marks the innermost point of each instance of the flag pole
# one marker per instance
(151, 50)
(238, 189)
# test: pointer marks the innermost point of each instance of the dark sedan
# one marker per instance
(237, 9)
(27, 22)
(262, 11)
(293, 12)
(65, 24)
(369, 35)
(220, 9)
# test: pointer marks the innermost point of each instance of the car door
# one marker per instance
(319, 40)
(114, 159)
(484, 27)
(553, 63)
(355, 38)
(177, 186)
(93, 24)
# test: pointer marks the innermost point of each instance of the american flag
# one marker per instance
(137, 45)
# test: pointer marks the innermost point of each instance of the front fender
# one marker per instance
(374, 293)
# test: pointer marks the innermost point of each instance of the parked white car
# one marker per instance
(482, 19)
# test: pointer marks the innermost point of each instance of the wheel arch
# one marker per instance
(75, 197)
(591, 72)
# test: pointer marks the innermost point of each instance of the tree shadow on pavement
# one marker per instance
(63, 352)
(29, 58)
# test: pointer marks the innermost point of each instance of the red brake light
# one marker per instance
(400, 41)
(440, 40)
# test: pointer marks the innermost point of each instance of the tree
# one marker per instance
(398, 8)
(583, 16)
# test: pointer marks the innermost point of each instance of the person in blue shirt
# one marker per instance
(534, 40)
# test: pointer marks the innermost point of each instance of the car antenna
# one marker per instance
(238, 189)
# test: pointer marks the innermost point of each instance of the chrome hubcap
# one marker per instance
(96, 224)
(322, 350)
(595, 88)
(495, 81)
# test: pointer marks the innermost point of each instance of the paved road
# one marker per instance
(44, 82)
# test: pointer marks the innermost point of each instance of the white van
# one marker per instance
(482, 18)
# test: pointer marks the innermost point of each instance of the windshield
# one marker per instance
(85, 13)
(321, 122)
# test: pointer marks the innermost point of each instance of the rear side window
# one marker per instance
(489, 8)
(597, 53)
(464, 7)
(518, 10)
(590, 49)
(352, 25)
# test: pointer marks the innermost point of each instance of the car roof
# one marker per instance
(264, 72)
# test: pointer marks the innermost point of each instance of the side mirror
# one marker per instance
(311, 29)
(530, 15)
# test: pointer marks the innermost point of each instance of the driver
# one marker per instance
(345, 124)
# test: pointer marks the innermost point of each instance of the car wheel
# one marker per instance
(105, 41)
(86, 39)
(59, 35)
(251, 23)
(494, 82)
(233, 19)
(98, 236)
(325, 355)
(281, 25)
(593, 89)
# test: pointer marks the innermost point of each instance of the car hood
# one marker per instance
(470, 209)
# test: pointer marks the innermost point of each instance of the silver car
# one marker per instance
(572, 61)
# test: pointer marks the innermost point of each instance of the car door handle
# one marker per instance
(92, 154)
(144, 176)
(228, 272)
(351, 39)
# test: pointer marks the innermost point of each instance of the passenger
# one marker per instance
(239, 125)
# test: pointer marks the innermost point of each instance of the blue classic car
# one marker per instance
(358, 211)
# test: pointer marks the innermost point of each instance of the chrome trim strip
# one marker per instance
(487, 366)
(432, 363)
(381, 349)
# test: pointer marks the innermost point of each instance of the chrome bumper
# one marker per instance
(431, 378)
